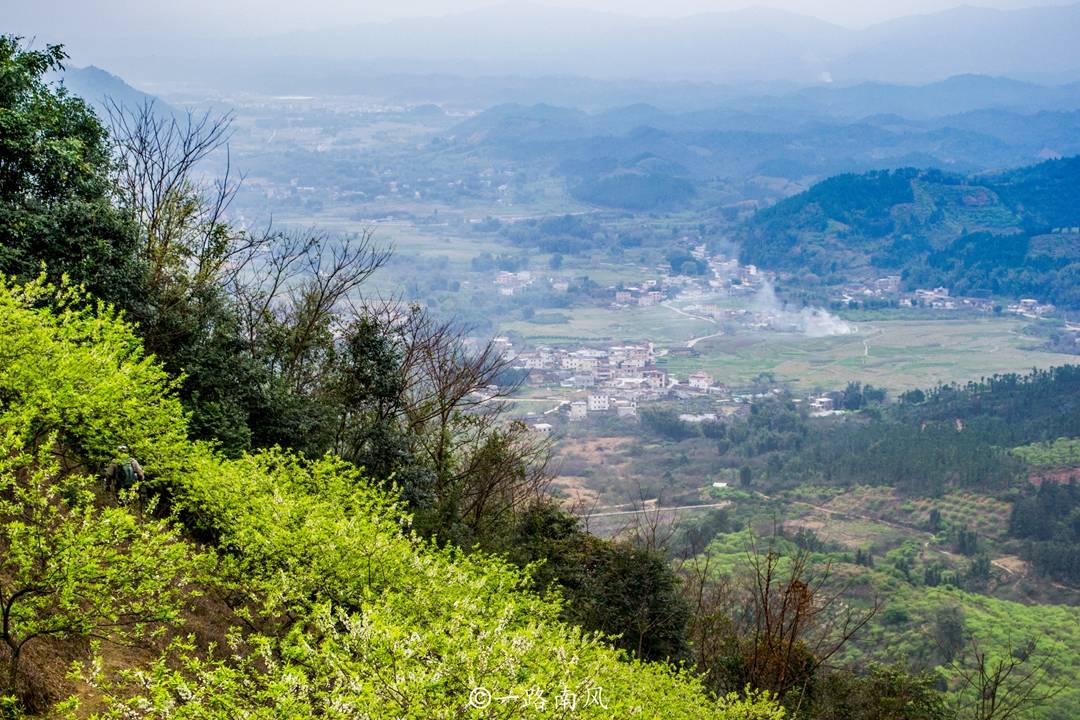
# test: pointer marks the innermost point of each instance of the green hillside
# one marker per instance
(325, 604)
(1008, 234)
(234, 483)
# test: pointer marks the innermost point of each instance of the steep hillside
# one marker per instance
(326, 604)
(1006, 234)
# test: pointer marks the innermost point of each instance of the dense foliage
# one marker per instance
(619, 588)
(56, 193)
(987, 235)
(326, 584)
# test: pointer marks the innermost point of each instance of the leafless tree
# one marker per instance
(1006, 685)
(188, 250)
(782, 623)
(293, 293)
(181, 215)
(453, 412)
(652, 527)
(798, 612)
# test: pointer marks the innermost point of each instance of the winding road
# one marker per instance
(694, 341)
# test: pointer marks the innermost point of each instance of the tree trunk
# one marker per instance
(11, 681)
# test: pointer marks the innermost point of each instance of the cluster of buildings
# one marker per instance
(512, 282)
(940, 299)
(883, 288)
(648, 293)
(735, 279)
(603, 403)
(619, 366)
(822, 405)
(621, 398)
(1030, 308)
(888, 288)
(758, 319)
(617, 378)
(726, 276)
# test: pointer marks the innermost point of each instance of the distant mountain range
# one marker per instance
(754, 45)
(954, 95)
(527, 40)
(597, 150)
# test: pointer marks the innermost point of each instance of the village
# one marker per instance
(615, 379)
(728, 278)
(887, 289)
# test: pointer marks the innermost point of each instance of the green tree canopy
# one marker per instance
(56, 192)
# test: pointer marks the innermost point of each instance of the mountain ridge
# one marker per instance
(739, 47)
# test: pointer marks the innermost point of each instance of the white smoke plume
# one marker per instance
(811, 322)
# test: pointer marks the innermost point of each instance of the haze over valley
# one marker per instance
(440, 336)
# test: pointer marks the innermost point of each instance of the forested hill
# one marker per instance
(1009, 234)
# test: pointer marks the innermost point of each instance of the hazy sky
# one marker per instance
(57, 19)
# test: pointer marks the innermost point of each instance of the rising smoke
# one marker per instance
(808, 321)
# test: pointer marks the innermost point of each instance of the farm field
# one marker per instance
(659, 324)
(897, 355)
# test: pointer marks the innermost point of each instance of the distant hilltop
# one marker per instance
(1008, 234)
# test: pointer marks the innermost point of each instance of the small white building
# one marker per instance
(625, 408)
(542, 428)
(599, 403)
(701, 381)
(579, 410)
(654, 378)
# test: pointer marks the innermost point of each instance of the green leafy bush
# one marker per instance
(340, 610)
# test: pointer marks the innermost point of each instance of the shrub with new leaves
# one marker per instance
(340, 611)
(73, 384)
(70, 365)
(71, 568)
